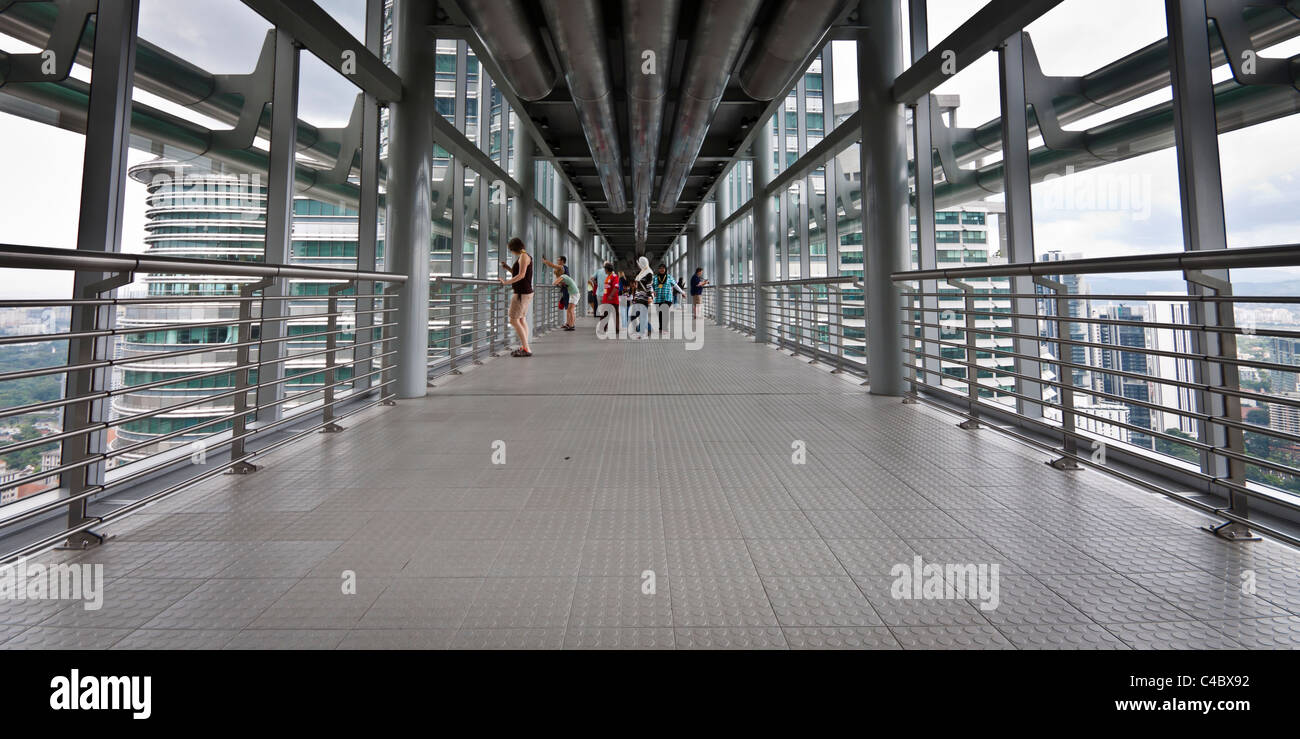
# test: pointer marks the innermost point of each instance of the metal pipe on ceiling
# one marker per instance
(777, 56)
(515, 44)
(720, 30)
(648, 26)
(578, 32)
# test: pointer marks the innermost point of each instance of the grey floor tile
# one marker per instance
(1262, 633)
(1109, 599)
(126, 603)
(422, 603)
(619, 638)
(700, 524)
(621, 602)
(525, 602)
(291, 639)
(509, 638)
(623, 557)
(60, 637)
(805, 602)
(775, 524)
(322, 603)
(721, 602)
(398, 639)
(950, 637)
(794, 558)
(176, 639)
(1172, 635)
(221, 604)
(709, 558)
(1060, 636)
(865, 637)
(453, 558)
(730, 638)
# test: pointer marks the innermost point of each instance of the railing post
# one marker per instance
(475, 339)
(972, 354)
(839, 326)
(239, 426)
(1069, 441)
(331, 346)
(1223, 405)
(389, 393)
(453, 326)
(87, 414)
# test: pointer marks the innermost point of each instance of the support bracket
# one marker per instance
(54, 62)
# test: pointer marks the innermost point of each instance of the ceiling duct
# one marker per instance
(720, 31)
(647, 27)
(777, 56)
(578, 32)
(515, 44)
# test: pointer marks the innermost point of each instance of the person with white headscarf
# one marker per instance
(643, 293)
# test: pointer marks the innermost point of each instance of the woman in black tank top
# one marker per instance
(524, 286)
(523, 295)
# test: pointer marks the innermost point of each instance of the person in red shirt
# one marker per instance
(610, 296)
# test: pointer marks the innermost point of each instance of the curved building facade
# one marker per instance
(200, 214)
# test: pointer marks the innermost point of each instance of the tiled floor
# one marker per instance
(655, 497)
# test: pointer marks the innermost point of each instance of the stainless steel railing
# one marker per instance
(1014, 349)
(468, 320)
(820, 317)
(162, 382)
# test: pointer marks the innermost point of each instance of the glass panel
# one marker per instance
(183, 201)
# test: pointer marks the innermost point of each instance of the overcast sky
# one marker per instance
(1261, 165)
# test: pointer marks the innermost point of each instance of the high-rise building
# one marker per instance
(214, 215)
(1174, 397)
(1075, 331)
(1285, 351)
(1110, 362)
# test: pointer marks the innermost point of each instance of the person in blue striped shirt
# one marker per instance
(664, 284)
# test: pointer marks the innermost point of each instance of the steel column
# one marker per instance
(99, 229)
(885, 240)
(1020, 220)
(368, 212)
(279, 224)
(1200, 187)
(763, 242)
(410, 190)
(927, 257)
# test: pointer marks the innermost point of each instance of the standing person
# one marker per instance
(697, 291)
(521, 278)
(561, 269)
(591, 295)
(570, 291)
(611, 295)
(624, 291)
(643, 293)
(664, 285)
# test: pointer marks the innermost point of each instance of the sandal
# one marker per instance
(516, 353)
(523, 353)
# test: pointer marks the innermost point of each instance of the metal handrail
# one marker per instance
(1015, 378)
(1260, 256)
(800, 320)
(40, 257)
(291, 394)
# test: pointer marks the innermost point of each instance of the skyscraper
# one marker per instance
(203, 214)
